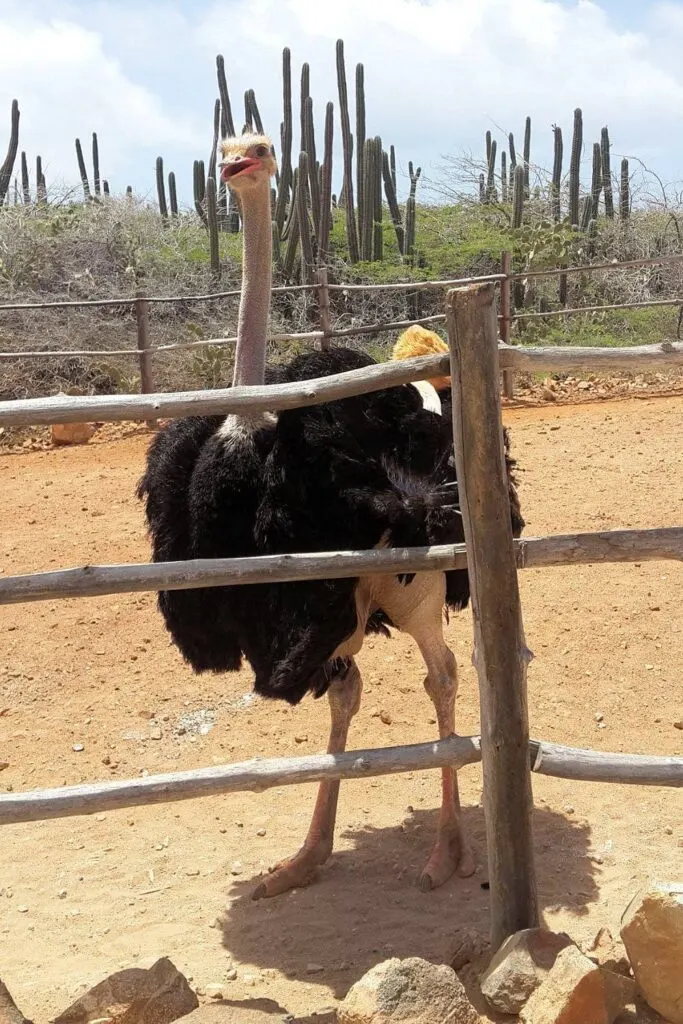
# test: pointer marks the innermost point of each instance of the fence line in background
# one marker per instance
(259, 774)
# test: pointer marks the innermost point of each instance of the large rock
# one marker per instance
(72, 433)
(411, 991)
(652, 931)
(519, 967)
(576, 991)
(135, 996)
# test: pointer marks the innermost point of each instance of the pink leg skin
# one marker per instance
(302, 869)
(451, 853)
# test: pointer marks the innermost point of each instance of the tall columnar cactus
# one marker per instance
(199, 190)
(254, 111)
(25, 183)
(310, 150)
(305, 92)
(503, 177)
(360, 144)
(624, 192)
(518, 197)
(105, 186)
(409, 245)
(557, 173)
(212, 219)
(82, 170)
(414, 175)
(575, 168)
(307, 259)
(392, 167)
(378, 241)
(291, 230)
(8, 163)
(586, 212)
(213, 157)
(347, 142)
(491, 176)
(527, 156)
(366, 228)
(596, 180)
(286, 130)
(227, 123)
(172, 194)
(392, 201)
(606, 173)
(96, 165)
(248, 116)
(41, 187)
(325, 219)
(161, 189)
(482, 188)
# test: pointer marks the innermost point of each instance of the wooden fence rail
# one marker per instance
(113, 408)
(530, 553)
(257, 775)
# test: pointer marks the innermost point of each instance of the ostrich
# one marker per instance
(365, 472)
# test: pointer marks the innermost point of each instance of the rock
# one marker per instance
(72, 433)
(411, 991)
(467, 946)
(519, 967)
(576, 991)
(215, 991)
(607, 952)
(652, 931)
(135, 996)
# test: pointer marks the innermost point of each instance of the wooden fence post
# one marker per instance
(145, 356)
(505, 309)
(500, 652)
(324, 319)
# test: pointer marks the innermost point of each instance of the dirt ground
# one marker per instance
(92, 689)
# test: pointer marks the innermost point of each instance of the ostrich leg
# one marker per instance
(301, 869)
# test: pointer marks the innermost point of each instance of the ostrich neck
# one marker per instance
(257, 252)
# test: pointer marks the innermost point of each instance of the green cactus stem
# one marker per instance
(409, 247)
(199, 190)
(41, 187)
(105, 187)
(347, 142)
(491, 195)
(82, 170)
(586, 212)
(482, 188)
(305, 92)
(309, 149)
(527, 156)
(392, 167)
(488, 148)
(518, 197)
(325, 218)
(286, 130)
(213, 157)
(606, 173)
(291, 231)
(366, 229)
(307, 259)
(129, 191)
(212, 219)
(254, 112)
(161, 189)
(172, 194)
(575, 168)
(596, 180)
(558, 152)
(414, 176)
(277, 251)
(8, 163)
(228, 125)
(25, 183)
(503, 177)
(392, 201)
(96, 165)
(378, 241)
(624, 192)
(360, 144)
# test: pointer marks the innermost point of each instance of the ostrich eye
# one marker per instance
(261, 151)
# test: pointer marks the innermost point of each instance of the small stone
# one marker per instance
(71, 433)
(301, 739)
(519, 967)
(385, 717)
(678, 724)
(155, 732)
(231, 974)
(412, 991)
(214, 991)
(192, 872)
(568, 809)
(249, 980)
(22, 908)
(669, 831)
(599, 717)
(62, 894)
(652, 932)
(261, 832)
(77, 748)
(3, 765)
(314, 968)
(236, 868)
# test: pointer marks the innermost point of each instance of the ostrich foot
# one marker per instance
(294, 873)
(451, 855)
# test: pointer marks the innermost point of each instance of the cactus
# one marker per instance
(199, 190)
(378, 240)
(392, 201)
(482, 188)
(213, 157)
(8, 163)
(41, 187)
(527, 155)
(309, 149)
(347, 142)
(25, 184)
(172, 194)
(360, 144)
(586, 212)
(596, 180)
(414, 178)
(105, 186)
(409, 241)
(248, 125)
(503, 177)
(624, 192)
(325, 218)
(307, 260)
(518, 197)
(161, 189)
(212, 219)
(277, 251)
(129, 191)
(606, 173)
(557, 173)
(96, 165)
(285, 184)
(491, 176)
(305, 92)
(392, 167)
(366, 228)
(228, 125)
(575, 168)
(255, 116)
(488, 148)
(82, 170)
(291, 230)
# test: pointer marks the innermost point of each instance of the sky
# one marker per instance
(438, 74)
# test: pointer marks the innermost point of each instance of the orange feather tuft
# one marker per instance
(418, 341)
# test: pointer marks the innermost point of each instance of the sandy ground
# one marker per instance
(83, 897)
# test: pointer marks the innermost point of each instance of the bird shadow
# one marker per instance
(367, 906)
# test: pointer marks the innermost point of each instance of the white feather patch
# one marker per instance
(430, 396)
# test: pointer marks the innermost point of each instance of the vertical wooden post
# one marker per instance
(145, 356)
(500, 652)
(505, 309)
(323, 306)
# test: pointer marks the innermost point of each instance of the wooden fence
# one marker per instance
(507, 753)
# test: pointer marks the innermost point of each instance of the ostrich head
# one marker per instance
(248, 163)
